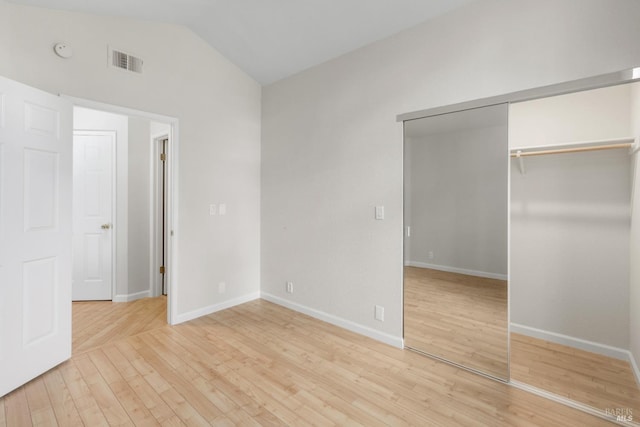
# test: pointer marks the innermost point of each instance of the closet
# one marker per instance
(573, 226)
(570, 211)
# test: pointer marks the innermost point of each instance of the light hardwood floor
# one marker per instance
(99, 322)
(457, 317)
(595, 380)
(446, 314)
(261, 364)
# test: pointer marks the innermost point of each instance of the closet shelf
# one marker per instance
(574, 147)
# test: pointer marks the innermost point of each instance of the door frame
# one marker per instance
(172, 168)
(114, 198)
(155, 285)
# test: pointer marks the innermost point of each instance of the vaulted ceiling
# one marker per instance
(273, 39)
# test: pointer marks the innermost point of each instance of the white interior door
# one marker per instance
(35, 232)
(93, 215)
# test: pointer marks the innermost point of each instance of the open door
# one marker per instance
(35, 232)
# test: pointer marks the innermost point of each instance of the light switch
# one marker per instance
(222, 209)
(212, 209)
(379, 212)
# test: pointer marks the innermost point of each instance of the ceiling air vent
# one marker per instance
(124, 61)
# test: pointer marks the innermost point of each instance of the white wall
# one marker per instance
(570, 246)
(140, 215)
(581, 116)
(219, 111)
(570, 219)
(159, 129)
(634, 294)
(459, 201)
(4, 36)
(87, 119)
(332, 150)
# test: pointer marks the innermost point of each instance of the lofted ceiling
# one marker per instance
(273, 39)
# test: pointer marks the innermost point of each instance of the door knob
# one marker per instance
(105, 226)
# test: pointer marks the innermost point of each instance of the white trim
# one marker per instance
(568, 402)
(172, 191)
(131, 297)
(125, 111)
(634, 367)
(446, 268)
(185, 317)
(172, 221)
(337, 321)
(593, 347)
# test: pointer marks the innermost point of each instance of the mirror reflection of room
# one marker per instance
(575, 328)
(455, 283)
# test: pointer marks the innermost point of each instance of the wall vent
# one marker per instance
(124, 61)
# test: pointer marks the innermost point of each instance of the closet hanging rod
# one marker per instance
(521, 153)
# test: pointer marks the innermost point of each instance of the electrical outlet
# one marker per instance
(430, 254)
(222, 288)
(379, 313)
(289, 287)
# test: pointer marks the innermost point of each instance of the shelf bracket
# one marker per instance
(635, 146)
(520, 161)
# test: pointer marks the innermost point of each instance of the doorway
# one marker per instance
(135, 229)
(36, 159)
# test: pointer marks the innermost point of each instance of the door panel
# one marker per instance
(35, 232)
(40, 190)
(93, 210)
(40, 287)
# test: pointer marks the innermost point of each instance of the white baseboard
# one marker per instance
(634, 366)
(593, 347)
(448, 269)
(337, 321)
(185, 317)
(567, 402)
(131, 297)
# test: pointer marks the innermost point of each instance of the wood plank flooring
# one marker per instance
(261, 364)
(457, 317)
(99, 322)
(450, 315)
(595, 380)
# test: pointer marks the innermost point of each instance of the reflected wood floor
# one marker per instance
(261, 364)
(457, 317)
(595, 380)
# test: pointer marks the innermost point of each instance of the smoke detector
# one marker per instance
(63, 50)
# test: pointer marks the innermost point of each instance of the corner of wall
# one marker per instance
(185, 317)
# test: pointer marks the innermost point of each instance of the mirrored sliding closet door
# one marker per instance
(455, 250)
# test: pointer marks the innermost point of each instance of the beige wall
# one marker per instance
(219, 111)
(332, 150)
(140, 215)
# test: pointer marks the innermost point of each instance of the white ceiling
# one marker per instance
(273, 39)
